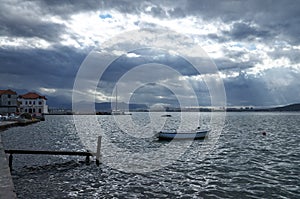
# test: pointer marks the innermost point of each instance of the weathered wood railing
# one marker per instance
(87, 154)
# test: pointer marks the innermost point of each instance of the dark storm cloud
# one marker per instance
(29, 29)
(147, 56)
(275, 86)
(29, 18)
(248, 21)
(243, 31)
(68, 7)
(154, 93)
(272, 18)
(128, 6)
(224, 64)
(156, 8)
(52, 68)
(217, 38)
(30, 67)
(25, 21)
(233, 60)
(247, 91)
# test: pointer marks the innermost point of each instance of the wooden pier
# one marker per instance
(87, 154)
(70, 153)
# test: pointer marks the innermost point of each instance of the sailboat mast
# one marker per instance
(116, 98)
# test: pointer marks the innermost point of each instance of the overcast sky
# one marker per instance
(254, 44)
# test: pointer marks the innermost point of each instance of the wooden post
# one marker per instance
(10, 159)
(98, 151)
(87, 158)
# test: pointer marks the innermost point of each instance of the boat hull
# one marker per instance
(182, 136)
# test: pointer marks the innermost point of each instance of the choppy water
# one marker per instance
(243, 164)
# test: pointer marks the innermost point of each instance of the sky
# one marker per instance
(255, 46)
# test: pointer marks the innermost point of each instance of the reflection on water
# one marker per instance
(243, 164)
(129, 143)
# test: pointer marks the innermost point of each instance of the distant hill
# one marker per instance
(107, 106)
(291, 107)
(100, 107)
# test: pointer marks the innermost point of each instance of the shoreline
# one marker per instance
(7, 189)
(8, 124)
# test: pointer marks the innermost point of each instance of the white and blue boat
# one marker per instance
(182, 135)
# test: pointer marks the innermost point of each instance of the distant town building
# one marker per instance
(33, 103)
(8, 101)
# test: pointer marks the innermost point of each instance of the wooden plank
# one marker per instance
(78, 153)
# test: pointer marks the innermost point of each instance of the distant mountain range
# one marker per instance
(291, 107)
(107, 106)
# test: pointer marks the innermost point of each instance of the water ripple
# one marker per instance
(244, 163)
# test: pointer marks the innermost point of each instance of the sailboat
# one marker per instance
(116, 111)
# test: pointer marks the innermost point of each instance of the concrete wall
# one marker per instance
(7, 189)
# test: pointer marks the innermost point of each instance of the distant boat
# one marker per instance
(116, 111)
(167, 115)
(174, 134)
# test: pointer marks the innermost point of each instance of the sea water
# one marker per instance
(242, 162)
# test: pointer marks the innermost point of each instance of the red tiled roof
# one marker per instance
(8, 92)
(32, 96)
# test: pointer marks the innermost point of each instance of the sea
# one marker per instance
(246, 155)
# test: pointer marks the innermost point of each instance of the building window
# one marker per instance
(9, 96)
(9, 103)
(26, 102)
(33, 102)
(30, 110)
(33, 110)
(25, 110)
(40, 110)
(21, 103)
(40, 102)
(29, 102)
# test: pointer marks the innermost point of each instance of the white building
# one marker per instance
(33, 103)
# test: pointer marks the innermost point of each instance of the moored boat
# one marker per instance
(181, 135)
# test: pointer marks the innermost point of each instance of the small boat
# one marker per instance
(167, 115)
(117, 111)
(174, 134)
